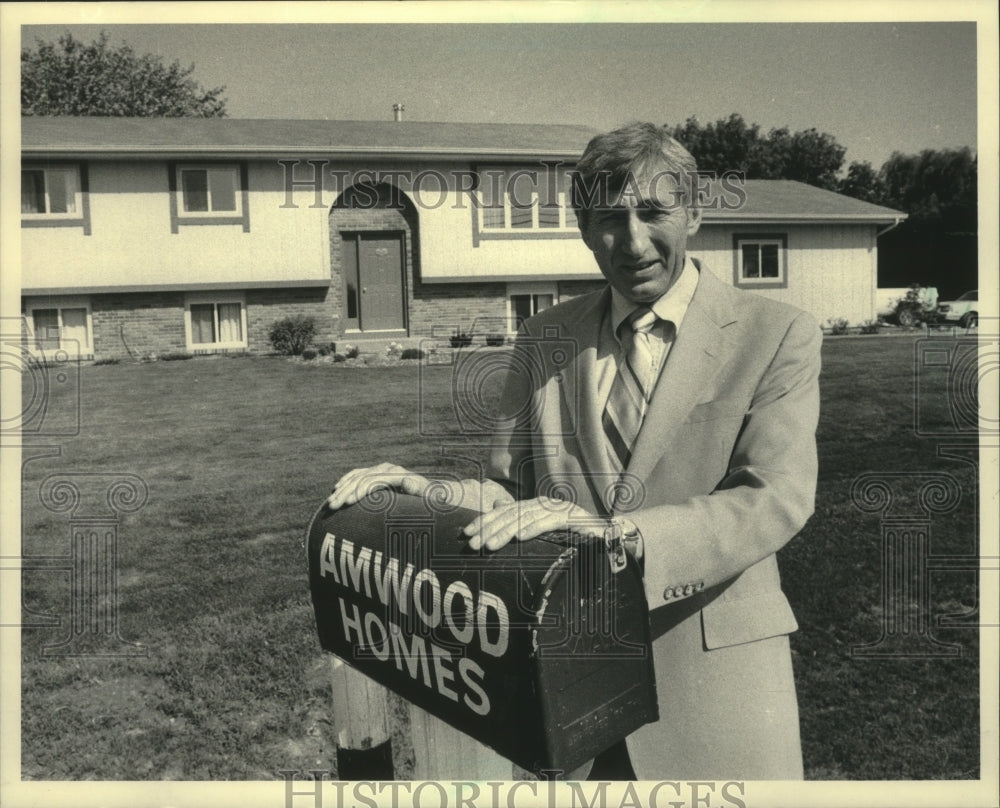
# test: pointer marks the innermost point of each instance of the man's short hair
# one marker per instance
(609, 159)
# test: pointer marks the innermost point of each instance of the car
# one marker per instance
(964, 310)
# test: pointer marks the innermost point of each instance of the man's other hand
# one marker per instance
(359, 483)
(530, 518)
(472, 494)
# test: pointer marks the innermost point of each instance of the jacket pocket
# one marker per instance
(732, 622)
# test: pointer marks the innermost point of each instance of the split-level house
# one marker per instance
(145, 236)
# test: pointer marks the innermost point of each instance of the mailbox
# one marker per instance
(539, 650)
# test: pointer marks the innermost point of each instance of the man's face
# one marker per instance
(639, 241)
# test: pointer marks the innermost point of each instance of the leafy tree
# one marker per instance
(937, 244)
(70, 77)
(727, 144)
(934, 186)
(731, 144)
(808, 156)
(863, 182)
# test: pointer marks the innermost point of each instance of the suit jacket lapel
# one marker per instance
(701, 347)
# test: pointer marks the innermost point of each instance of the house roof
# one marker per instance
(82, 136)
(791, 201)
(104, 137)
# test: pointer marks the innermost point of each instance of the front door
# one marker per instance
(377, 293)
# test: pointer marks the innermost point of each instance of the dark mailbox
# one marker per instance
(539, 650)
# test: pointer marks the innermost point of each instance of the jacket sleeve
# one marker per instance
(511, 460)
(767, 493)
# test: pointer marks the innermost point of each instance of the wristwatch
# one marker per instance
(621, 536)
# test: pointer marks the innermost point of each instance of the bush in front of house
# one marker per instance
(175, 357)
(870, 327)
(310, 353)
(291, 335)
(838, 326)
(412, 353)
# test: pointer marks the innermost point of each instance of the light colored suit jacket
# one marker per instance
(722, 475)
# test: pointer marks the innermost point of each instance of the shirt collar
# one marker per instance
(671, 305)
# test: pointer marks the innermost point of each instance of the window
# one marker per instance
(526, 300)
(208, 190)
(60, 326)
(524, 202)
(54, 196)
(49, 192)
(760, 261)
(214, 324)
(208, 194)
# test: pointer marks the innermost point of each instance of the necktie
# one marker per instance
(632, 386)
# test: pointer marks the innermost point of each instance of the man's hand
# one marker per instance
(358, 483)
(472, 494)
(530, 518)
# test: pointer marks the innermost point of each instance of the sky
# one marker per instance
(876, 87)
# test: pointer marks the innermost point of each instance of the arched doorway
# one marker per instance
(372, 230)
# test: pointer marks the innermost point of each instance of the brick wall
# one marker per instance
(144, 324)
(439, 308)
(266, 306)
(137, 325)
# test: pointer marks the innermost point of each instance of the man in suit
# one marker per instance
(684, 411)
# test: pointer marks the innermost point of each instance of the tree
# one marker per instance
(937, 244)
(808, 156)
(934, 186)
(728, 144)
(731, 144)
(73, 78)
(863, 182)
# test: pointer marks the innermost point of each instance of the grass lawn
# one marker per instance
(237, 453)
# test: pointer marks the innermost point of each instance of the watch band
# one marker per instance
(622, 537)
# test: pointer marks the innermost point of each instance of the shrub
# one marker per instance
(292, 335)
(310, 353)
(393, 349)
(495, 339)
(351, 351)
(412, 353)
(111, 360)
(176, 356)
(838, 326)
(460, 340)
(870, 327)
(324, 350)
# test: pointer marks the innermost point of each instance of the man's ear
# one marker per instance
(694, 219)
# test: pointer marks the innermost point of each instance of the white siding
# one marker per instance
(131, 243)
(448, 250)
(831, 268)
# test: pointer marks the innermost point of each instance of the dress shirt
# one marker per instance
(671, 306)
